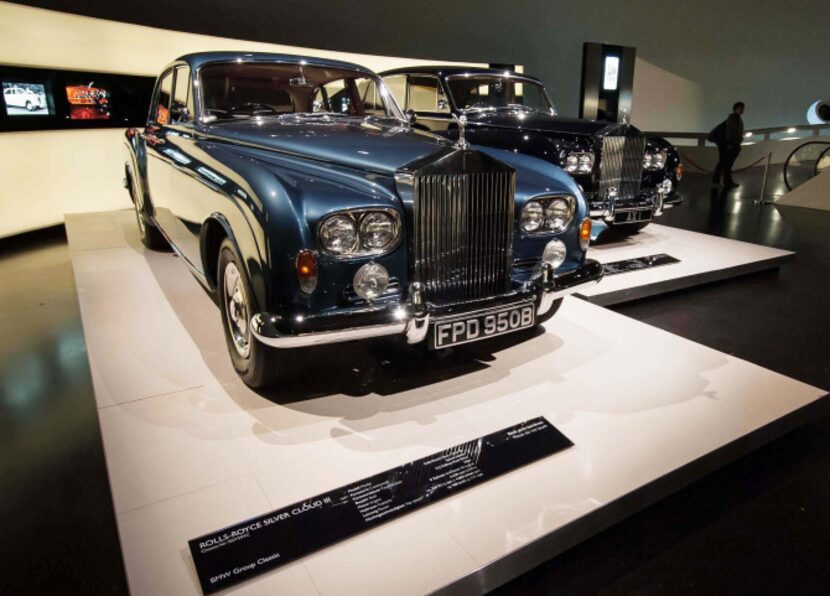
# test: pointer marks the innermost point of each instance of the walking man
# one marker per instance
(728, 136)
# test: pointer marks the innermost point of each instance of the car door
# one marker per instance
(159, 170)
(188, 208)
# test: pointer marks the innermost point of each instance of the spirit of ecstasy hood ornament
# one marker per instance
(462, 128)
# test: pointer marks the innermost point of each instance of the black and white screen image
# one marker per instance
(25, 99)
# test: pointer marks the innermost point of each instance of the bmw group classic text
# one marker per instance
(301, 196)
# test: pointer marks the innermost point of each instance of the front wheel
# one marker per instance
(256, 363)
(557, 304)
(29, 106)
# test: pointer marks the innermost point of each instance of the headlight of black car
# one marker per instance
(360, 232)
(548, 214)
(655, 160)
(579, 162)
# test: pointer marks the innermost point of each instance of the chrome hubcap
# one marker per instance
(236, 309)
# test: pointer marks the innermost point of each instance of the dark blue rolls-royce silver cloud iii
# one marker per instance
(627, 178)
(303, 200)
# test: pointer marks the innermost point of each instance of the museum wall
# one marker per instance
(700, 55)
(48, 173)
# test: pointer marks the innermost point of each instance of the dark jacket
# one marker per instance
(734, 132)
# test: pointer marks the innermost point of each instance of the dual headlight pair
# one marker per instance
(360, 232)
(548, 214)
(655, 160)
(579, 162)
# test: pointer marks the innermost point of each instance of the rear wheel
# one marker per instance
(256, 363)
(150, 235)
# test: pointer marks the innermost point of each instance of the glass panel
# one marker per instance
(484, 92)
(163, 103)
(425, 95)
(234, 90)
(397, 86)
(181, 98)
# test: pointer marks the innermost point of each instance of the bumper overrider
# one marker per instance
(657, 203)
(412, 318)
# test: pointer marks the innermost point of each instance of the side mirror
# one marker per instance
(411, 116)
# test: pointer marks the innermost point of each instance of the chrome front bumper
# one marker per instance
(411, 318)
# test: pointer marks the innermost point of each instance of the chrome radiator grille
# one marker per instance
(463, 232)
(621, 165)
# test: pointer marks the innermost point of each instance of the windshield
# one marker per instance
(492, 92)
(233, 90)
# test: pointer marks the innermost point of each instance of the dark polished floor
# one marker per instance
(762, 524)
(759, 525)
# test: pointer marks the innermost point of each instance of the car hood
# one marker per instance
(537, 121)
(374, 145)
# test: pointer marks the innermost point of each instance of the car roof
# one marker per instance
(196, 60)
(445, 70)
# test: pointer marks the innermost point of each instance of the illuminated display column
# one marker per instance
(607, 82)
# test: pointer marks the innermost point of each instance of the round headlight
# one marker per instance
(533, 216)
(555, 253)
(338, 235)
(377, 230)
(648, 158)
(371, 281)
(659, 160)
(586, 162)
(571, 163)
(558, 214)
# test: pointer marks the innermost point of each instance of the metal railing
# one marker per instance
(765, 134)
(807, 161)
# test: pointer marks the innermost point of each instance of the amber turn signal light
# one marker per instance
(679, 171)
(307, 270)
(585, 233)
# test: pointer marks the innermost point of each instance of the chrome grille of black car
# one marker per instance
(463, 233)
(621, 164)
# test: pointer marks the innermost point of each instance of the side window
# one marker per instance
(161, 109)
(181, 110)
(397, 86)
(425, 95)
(372, 102)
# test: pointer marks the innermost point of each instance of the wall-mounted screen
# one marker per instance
(26, 98)
(88, 101)
(44, 99)
(611, 76)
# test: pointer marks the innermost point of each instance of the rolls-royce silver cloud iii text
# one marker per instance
(301, 197)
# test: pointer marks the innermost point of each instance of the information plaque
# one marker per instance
(252, 547)
(637, 264)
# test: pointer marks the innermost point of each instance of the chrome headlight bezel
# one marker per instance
(358, 220)
(579, 162)
(549, 224)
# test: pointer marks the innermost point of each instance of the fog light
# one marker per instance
(371, 281)
(555, 253)
(585, 234)
(307, 270)
(666, 186)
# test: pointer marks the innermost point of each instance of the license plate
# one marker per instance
(462, 330)
(633, 216)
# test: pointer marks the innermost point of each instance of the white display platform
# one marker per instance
(190, 449)
(703, 259)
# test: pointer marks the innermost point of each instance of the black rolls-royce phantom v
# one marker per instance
(627, 178)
